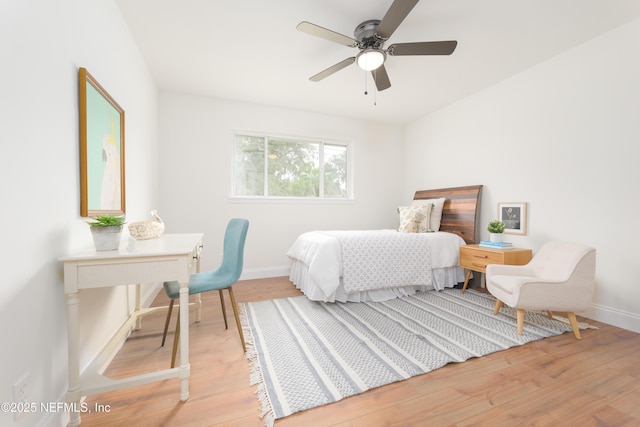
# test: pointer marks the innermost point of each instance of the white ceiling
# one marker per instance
(250, 50)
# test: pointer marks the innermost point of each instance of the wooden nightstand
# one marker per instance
(476, 258)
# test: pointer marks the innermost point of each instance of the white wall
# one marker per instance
(564, 137)
(196, 142)
(43, 43)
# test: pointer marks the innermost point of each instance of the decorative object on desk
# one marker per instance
(102, 189)
(142, 230)
(106, 231)
(495, 245)
(495, 229)
(307, 353)
(514, 216)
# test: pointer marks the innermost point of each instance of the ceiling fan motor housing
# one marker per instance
(366, 35)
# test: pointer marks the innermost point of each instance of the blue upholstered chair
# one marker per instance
(223, 278)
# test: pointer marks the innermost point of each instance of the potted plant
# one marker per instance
(106, 231)
(495, 228)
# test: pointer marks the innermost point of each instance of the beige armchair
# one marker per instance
(560, 277)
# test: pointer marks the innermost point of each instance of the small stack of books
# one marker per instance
(495, 245)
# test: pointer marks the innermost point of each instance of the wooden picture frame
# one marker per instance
(102, 173)
(514, 216)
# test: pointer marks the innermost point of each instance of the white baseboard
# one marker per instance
(264, 273)
(147, 299)
(612, 316)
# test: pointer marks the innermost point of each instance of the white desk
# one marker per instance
(170, 257)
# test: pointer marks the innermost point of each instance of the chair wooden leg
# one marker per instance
(498, 306)
(224, 310)
(550, 314)
(520, 317)
(198, 304)
(574, 325)
(166, 322)
(236, 314)
(176, 339)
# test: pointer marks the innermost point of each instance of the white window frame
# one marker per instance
(280, 199)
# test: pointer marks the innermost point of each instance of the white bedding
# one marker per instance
(373, 265)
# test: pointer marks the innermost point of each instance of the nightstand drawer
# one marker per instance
(478, 260)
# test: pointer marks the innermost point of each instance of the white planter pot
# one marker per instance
(495, 237)
(106, 238)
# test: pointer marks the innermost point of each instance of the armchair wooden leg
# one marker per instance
(224, 310)
(520, 317)
(176, 339)
(166, 322)
(498, 306)
(235, 313)
(574, 325)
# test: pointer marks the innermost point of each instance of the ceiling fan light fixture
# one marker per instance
(370, 59)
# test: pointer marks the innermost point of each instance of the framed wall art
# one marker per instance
(102, 174)
(514, 216)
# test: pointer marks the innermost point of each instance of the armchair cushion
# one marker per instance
(509, 270)
(560, 277)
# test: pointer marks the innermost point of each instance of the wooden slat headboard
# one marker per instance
(461, 210)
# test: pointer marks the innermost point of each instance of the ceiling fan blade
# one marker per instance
(318, 31)
(423, 48)
(334, 68)
(393, 18)
(381, 78)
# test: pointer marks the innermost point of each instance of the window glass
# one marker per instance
(294, 168)
(283, 167)
(249, 166)
(335, 171)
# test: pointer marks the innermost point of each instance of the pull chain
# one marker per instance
(365, 84)
(375, 92)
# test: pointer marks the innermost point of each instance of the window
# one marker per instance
(267, 166)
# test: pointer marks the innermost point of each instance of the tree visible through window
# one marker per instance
(281, 167)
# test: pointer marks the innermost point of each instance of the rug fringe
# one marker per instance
(255, 371)
(581, 325)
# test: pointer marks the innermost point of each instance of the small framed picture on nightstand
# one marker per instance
(514, 216)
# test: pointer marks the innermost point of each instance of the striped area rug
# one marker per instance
(306, 354)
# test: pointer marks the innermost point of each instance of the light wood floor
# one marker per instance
(557, 381)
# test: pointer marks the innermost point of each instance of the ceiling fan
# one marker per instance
(370, 37)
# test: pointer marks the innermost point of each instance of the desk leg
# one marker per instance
(73, 343)
(184, 341)
(138, 308)
(198, 296)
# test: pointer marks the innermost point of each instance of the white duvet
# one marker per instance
(375, 259)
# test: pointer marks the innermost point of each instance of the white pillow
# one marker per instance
(436, 212)
(415, 219)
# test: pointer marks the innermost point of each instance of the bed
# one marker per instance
(377, 265)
